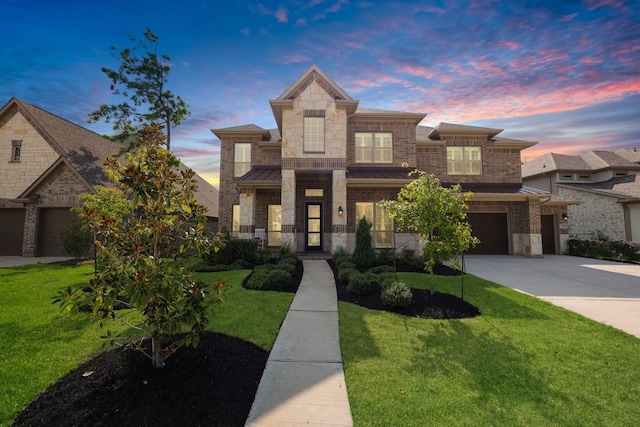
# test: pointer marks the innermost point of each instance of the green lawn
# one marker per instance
(523, 362)
(39, 345)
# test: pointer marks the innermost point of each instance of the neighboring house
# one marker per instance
(46, 162)
(329, 162)
(604, 182)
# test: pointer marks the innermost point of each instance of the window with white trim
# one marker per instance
(274, 225)
(314, 131)
(464, 160)
(235, 221)
(241, 158)
(382, 224)
(376, 147)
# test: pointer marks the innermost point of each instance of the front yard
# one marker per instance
(521, 362)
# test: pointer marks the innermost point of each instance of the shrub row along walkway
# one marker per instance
(303, 382)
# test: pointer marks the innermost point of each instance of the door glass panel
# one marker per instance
(313, 225)
(313, 211)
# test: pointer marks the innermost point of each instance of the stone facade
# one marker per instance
(36, 156)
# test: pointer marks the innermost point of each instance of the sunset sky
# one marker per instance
(564, 73)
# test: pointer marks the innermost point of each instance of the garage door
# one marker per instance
(493, 232)
(53, 222)
(11, 231)
(548, 234)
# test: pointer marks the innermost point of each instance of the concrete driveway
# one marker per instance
(605, 291)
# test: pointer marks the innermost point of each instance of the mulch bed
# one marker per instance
(213, 385)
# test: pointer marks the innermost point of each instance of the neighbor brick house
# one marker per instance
(46, 162)
(605, 183)
(329, 161)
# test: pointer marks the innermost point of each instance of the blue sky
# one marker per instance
(564, 73)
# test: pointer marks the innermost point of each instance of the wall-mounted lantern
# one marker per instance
(340, 211)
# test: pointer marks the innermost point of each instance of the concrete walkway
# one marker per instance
(303, 382)
(605, 291)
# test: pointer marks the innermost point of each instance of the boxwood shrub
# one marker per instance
(398, 294)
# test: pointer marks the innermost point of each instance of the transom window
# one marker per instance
(314, 131)
(374, 147)
(382, 229)
(464, 160)
(242, 158)
(274, 225)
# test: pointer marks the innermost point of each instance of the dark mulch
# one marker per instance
(424, 305)
(213, 385)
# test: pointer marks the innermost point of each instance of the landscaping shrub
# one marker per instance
(382, 269)
(604, 249)
(207, 268)
(339, 255)
(386, 279)
(346, 264)
(371, 277)
(239, 264)
(363, 254)
(76, 241)
(344, 274)
(258, 279)
(286, 266)
(234, 249)
(384, 256)
(397, 294)
(279, 278)
(358, 284)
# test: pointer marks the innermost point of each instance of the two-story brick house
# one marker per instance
(606, 185)
(307, 182)
(46, 162)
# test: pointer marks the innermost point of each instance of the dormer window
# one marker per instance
(16, 151)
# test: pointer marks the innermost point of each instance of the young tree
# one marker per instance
(437, 214)
(142, 78)
(142, 247)
(363, 254)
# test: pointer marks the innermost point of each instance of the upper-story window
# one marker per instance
(375, 147)
(464, 160)
(242, 158)
(314, 131)
(16, 151)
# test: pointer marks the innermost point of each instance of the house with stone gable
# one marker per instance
(606, 185)
(329, 161)
(46, 162)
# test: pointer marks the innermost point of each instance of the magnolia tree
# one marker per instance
(145, 229)
(437, 214)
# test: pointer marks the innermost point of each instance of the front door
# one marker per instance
(313, 235)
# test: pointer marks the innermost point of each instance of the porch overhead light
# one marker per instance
(340, 211)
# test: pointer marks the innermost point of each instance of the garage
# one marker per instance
(492, 230)
(548, 234)
(53, 222)
(11, 231)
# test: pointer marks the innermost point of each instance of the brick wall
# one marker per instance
(404, 141)
(498, 165)
(597, 213)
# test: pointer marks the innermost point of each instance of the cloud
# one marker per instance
(281, 14)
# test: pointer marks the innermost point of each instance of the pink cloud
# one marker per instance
(281, 14)
(295, 59)
(597, 4)
(590, 60)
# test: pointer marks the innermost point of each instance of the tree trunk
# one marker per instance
(156, 346)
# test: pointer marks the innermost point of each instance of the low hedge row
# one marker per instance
(605, 249)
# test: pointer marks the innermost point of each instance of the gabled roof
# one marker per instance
(84, 150)
(590, 161)
(249, 130)
(313, 73)
(388, 115)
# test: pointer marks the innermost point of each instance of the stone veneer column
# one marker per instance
(535, 227)
(247, 214)
(288, 208)
(30, 236)
(339, 223)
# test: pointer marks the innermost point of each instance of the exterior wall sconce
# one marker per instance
(340, 211)
(565, 217)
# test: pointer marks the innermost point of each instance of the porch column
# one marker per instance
(247, 213)
(30, 236)
(288, 208)
(535, 227)
(339, 222)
